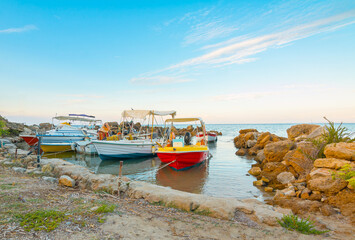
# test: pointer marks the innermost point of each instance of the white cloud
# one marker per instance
(208, 30)
(159, 80)
(243, 49)
(19, 30)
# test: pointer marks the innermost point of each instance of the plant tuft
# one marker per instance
(46, 220)
(305, 226)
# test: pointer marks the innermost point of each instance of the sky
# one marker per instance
(225, 61)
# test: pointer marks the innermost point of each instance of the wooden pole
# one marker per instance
(16, 153)
(39, 151)
(121, 165)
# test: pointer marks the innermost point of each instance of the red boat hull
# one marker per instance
(30, 139)
(184, 160)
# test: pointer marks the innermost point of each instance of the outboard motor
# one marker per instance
(187, 138)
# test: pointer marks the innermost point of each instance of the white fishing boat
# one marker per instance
(134, 145)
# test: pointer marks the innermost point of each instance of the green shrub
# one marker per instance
(2, 131)
(345, 173)
(305, 226)
(332, 135)
(104, 208)
(46, 220)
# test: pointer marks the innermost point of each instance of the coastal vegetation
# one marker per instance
(3, 131)
(347, 173)
(293, 222)
(331, 134)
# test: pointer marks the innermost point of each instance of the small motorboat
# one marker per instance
(211, 136)
(182, 154)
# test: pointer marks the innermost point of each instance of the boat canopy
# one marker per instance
(183, 120)
(81, 115)
(143, 113)
(75, 118)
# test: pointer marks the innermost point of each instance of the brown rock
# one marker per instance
(264, 179)
(66, 181)
(327, 210)
(305, 195)
(247, 131)
(253, 151)
(298, 205)
(300, 129)
(260, 156)
(318, 173)
(301, 158)
(268, 189)
(239, 141)
(272, 169)
(340, 150)
(255, 171)
(345, 201)
(241, 152)
(332, 163)
(259, 183)
(327, 185)
(285, 177)
(274, 152)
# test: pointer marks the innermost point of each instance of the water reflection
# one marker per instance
(191, 180)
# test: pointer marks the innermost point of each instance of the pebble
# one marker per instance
(19, 169)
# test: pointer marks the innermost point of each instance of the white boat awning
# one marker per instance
(143, 113)
(183, 120)
(74, 118)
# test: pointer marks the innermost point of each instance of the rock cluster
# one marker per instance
(290, 166)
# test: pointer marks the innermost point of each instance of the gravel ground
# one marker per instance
(130, 219)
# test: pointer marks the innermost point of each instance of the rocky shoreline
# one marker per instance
(302, 180)
(302, 184)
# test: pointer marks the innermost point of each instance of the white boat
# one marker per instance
(124, 148)
(66, 133)
(141, 145)
(85, 146)
(211, 136)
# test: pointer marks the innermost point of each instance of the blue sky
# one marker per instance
(225, 61)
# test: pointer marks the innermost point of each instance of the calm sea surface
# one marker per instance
(225, 175)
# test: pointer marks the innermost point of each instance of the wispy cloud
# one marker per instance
(208, 30)
(26, 28)
(159, 80)
(242, 50)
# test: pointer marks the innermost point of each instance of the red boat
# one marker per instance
(180, 153)
(30, 139)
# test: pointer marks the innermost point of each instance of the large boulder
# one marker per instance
(247, 131)
(301, 158)
(301, 130)
(274, 152)
(327, 185)
(285, 177)
(340, 150)
(319, 173)
(265, 138)
(318, 132)
(332, 163)
(272, 169)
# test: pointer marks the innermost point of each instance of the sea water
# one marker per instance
(224, 175)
